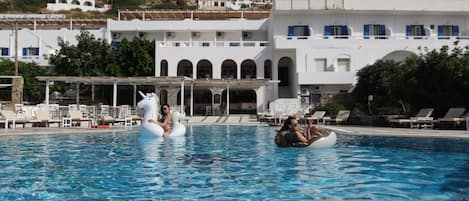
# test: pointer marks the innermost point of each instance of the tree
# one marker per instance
(90, 57)
(436, 78)
(136, 57)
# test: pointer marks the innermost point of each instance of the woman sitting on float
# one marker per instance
(291, 134)
(165, 121)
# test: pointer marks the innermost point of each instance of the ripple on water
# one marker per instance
(229, 163)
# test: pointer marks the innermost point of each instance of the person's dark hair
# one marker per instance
(161, 109)
(287, 123)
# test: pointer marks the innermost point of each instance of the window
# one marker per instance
(115, 45)
(374, 30)
(30, 51)
(215, 3)
(343, 65)
(299, 30)
(415, 31)
(445, 31)
(4, 51)
(222, 4)
(320, 65)
(164, 68)
(338, 31)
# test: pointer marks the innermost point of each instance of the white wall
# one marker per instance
(373, 5)
(46, 40)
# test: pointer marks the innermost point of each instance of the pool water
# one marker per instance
(230, 163)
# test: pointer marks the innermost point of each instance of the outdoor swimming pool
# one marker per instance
(230, 163)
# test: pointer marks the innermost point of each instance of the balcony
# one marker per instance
(293, 42)
(310, 78)
(208, 44)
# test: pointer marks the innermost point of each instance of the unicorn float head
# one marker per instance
(150, 104)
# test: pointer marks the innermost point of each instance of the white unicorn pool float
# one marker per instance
(149, 104)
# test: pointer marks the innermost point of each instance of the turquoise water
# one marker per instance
(230, 163)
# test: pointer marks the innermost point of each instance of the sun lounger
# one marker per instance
(341, 117)
(10, 115)
(42, 118)
(316, 117)
(423, 117)
(77, 118)
(453, 118)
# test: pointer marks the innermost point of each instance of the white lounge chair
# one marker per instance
(77, 118)
(317, 116)
(452, 119)
(42, 117)
(421, 118)
(341, 117)
(10, 115)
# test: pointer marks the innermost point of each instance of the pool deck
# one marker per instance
(58, 131)
(399, 132)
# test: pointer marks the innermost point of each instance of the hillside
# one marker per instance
(39, 6)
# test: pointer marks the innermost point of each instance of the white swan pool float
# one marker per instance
(149, 104)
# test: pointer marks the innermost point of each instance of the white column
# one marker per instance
(78, 94)
(92, 92)
(114, 95)
(192, 99)
(135, 95)
(228, 99)
(182, 97)
(47, 92)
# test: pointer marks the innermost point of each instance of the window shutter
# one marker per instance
(306, 31)
(440, 30)
(327, 30)
(422, 28)
(455, 30)
(291, 30)
(366, 31)
(409, 31)
(382, 30)
(344, 30)
(25, 51)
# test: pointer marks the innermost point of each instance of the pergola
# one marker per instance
(154, 81)
(33, 23)
(185, 14)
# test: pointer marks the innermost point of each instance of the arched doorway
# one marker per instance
(248, 69)
(285, 76)
(398, 56)
(268, 69)
(163, 97)
(164, 68)
(185, 69)
(204, 69)
(202, 101)
(241, 102)
(229, 69)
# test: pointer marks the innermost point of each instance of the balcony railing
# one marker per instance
(207, 44)
(362, 37)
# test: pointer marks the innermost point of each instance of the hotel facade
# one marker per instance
(285, 60)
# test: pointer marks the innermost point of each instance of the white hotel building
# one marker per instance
(309, 49)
